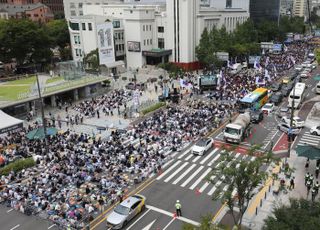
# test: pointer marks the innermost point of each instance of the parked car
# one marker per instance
(202, 146)
(290, 85)
(304, 74)
(283, 112)
(298, 67)
(267, 108)
(315, 130)
(305, 64)
(276, 98)
(287, 79)
(308, 69)
(285, 128)
(256, 116)
(275, 87)
(297, 121)
(125, 211)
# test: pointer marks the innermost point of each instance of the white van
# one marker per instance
(297, 95)
(318, 88)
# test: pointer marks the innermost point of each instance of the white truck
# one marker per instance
(236, 131)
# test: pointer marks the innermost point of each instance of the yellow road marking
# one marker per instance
(143, 186)
(219, 211)
(260, 195)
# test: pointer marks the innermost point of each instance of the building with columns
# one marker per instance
(156, 31)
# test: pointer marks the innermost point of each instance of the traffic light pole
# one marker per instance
(291, 120)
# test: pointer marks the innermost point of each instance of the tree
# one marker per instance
(92, 60)
(58, 32)
(23, 40)
(243, 177)
(299, 214)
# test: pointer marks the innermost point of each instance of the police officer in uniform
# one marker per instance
(313, 194)
(306, 178)
(178, 208)
(316, 187)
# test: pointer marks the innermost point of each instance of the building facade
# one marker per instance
(4, 14)
(157, 31)
(37, 12)
(299, 8)
(264, 10)
(56, 6)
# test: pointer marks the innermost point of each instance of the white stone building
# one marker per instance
(158, 31)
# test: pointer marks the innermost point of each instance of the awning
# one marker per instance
(114, 64)
(156, 53)
(9, 123)
(309, 151)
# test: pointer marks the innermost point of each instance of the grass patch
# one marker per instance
(17, 166)
(23, 81)
(54, 79)
(153, 108)
(12, 92)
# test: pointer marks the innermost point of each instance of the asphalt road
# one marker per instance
(10, 219)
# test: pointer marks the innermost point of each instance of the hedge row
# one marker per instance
(17, 166)
(153, 108)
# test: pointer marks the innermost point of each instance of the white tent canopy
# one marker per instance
(9, 123)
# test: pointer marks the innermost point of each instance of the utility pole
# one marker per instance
(291, 119)
(309, 15)
(42, 113)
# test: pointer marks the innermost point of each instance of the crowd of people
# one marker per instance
(76, 174)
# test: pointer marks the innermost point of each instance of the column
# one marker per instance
(53, 101)
(76, 94)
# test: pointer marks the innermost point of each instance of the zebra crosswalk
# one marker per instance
(308, 138)
(192, 172)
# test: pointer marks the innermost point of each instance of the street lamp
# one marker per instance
(291, 118)
(42, 112)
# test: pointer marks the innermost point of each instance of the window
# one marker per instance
(119, 36)
(36, 15)
(80, 5)
(80, 12)
(150, 41)
(83, 26)
(160, 29)
(80, 52)
(147, 41)
(161, 43)
(143, 28)
(116, 24)
(72, 5)
(74, 26)
(229, 4)
(77, 54)
(144, 42)
(90, 26)
(73, 13)
(150, 27)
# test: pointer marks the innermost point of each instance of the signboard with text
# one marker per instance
(105, 43)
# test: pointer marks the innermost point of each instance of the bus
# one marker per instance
(254, 100)
(296, 95)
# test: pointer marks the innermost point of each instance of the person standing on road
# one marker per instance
(316, 187)
(292, 183)
(178, 208)
(306, 178)
(317, 172)
(313, 194)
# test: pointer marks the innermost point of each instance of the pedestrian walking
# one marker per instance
(292, 183)
(317, 171)
(313, 194)
(309, 186)
(311, 179)
(316, 187)
(307, 164)
(306, 178)
(178, 208)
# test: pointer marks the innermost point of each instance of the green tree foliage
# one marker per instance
(299, 215)
(317, 54)
(245, 39)
(242, 176)
(91, 60)
(58, 33)
(30, 42)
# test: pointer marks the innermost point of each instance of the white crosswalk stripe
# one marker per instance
(214, 188)
(214, 159)
(176, 172)
(206, 184)
(200, 179)
(168, 170)
(192, 176)
(184, 153)
(310, 139)
(184, 174)
(209, 155)
(196, 159)
(189, 157)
